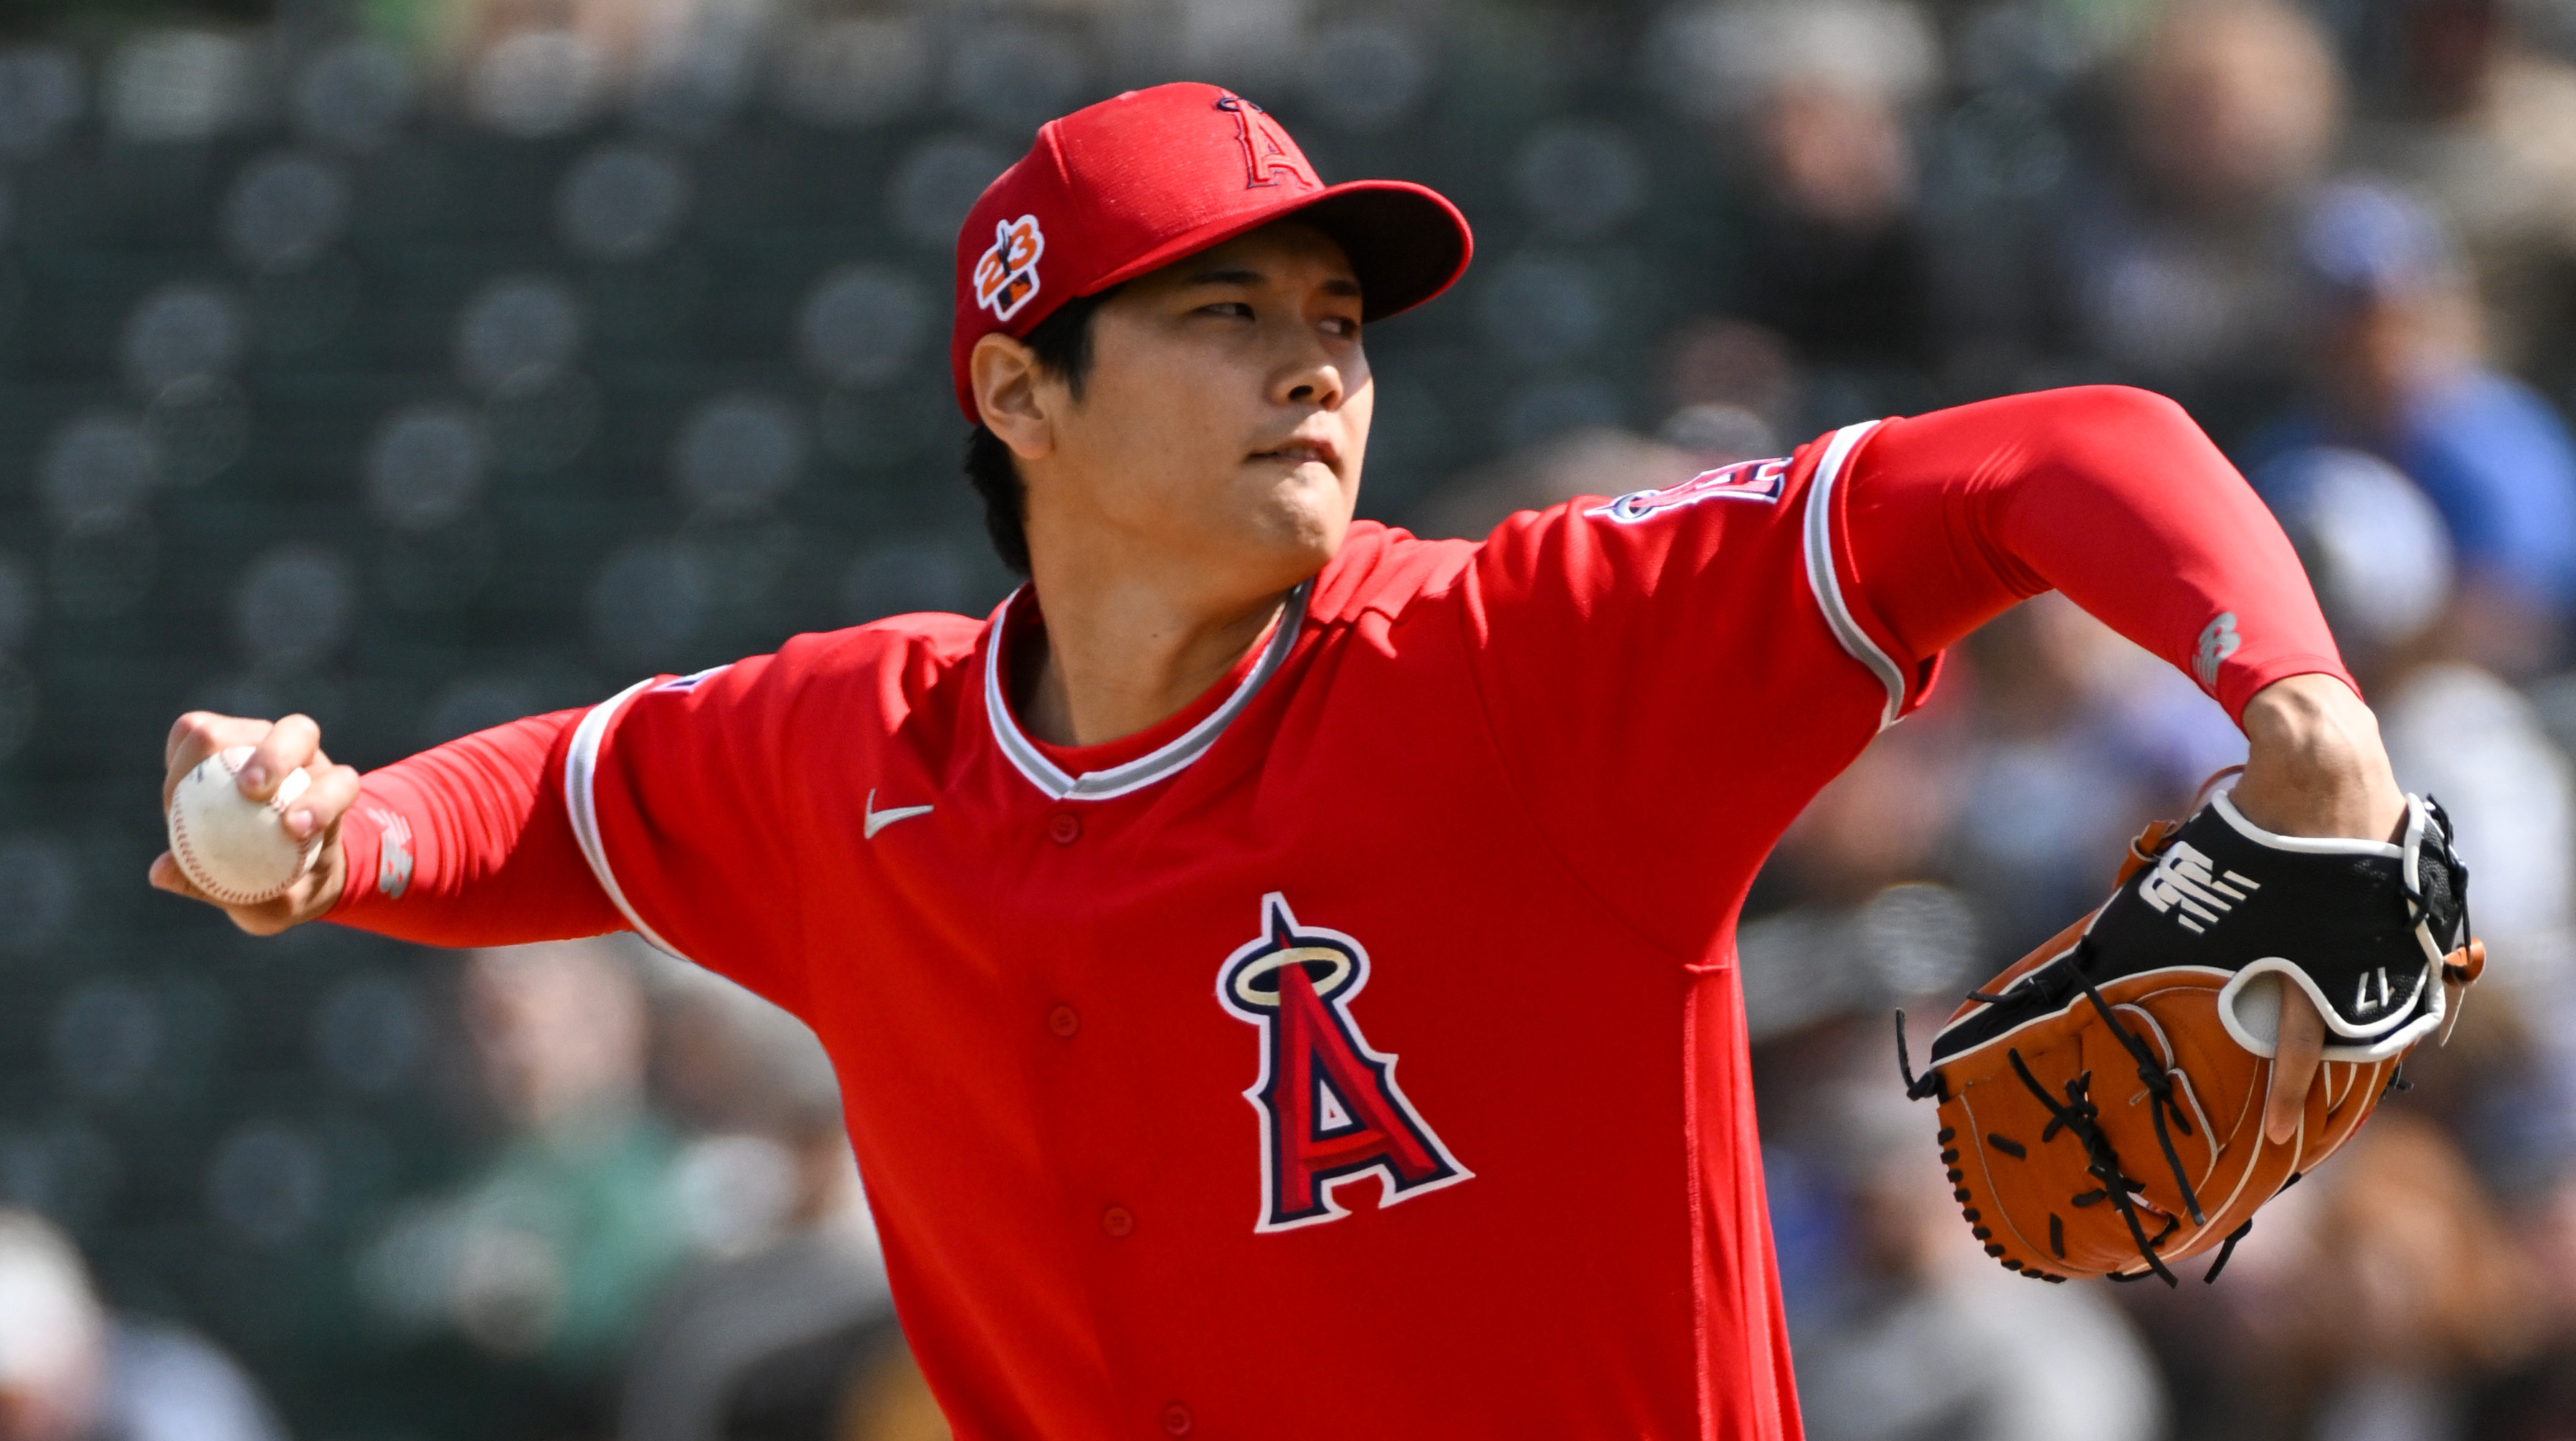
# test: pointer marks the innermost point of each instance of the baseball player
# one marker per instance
(1281, 971)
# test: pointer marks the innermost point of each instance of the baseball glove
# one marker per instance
(2101, 1101)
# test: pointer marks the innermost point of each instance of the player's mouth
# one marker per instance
(1298, 452)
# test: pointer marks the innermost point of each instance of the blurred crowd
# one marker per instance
(2345, 237)
(654, 1231)
(477, 355)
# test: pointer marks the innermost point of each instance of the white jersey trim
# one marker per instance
(1145, 770)
(1827, 585)
(581, 764)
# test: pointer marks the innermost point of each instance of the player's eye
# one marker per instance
(1342, 326)
(1232, 309)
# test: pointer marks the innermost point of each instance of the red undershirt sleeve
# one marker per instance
(469, 844)
(2107, 494)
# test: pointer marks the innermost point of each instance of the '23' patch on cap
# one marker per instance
(1006, 278)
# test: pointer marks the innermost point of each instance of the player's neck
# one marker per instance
(1112, 660)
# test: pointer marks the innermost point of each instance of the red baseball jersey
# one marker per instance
(1359, 1052)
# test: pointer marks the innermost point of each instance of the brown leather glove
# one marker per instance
(2101, 1101)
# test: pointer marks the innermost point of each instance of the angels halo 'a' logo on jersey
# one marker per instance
(1745, 480)
(1330, 1109)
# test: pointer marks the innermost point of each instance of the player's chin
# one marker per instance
(1309, 494)
(1308, 487)
(1283, 470)
(1287, 541)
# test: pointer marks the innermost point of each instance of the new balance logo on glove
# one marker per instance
(2187, 881)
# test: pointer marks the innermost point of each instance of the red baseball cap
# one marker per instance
(1132, 184)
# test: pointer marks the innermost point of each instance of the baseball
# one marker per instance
(233, 848)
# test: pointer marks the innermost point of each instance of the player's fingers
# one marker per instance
(323, 802)
(199, 734)
(180, 730)
(165, 875)
(265, 919)
(2294, 1064)
(288, 746)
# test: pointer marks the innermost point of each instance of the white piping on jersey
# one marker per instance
(581, 763)
(1828, 586)
(1143, 771)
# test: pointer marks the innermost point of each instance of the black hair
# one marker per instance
(1062, 343)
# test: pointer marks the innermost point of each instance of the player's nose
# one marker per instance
(1312, 376)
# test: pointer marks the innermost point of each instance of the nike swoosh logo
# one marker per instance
(878, 820)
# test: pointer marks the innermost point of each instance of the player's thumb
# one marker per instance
(323, 803)
(165, 875)
(2295, 1057)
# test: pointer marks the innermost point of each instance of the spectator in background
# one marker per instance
(1928, 1341)
(553, 1256)
(2416, 1341)
(1597, 460)
(2535, 1405)
(780, 1338)
(1835, 269)
(1732, 387)
(1718, 435)
(1837, 262)
(2486, 125)
(69, 1371)
(2400, 372)
(560, 1032)
(2077, 739)
(2377, 553)
(2180, 272)
(1864, 926)
(2373, 1307)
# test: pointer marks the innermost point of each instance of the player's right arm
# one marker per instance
(689, 810)
(480, 817)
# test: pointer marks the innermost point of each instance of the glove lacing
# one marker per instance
(2078, 1114)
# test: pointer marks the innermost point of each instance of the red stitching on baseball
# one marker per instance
(193, 866)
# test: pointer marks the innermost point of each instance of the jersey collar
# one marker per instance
(1146, 769)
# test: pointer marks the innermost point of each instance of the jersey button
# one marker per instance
(1118, 1221)
(1177, 1420)
(1064, 828)
(1064, 1022)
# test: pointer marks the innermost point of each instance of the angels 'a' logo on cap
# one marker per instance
(1330, 1109)
(1266, 152)
(1006, 278)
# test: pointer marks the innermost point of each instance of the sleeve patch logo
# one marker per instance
(691, 682)
(393, 855)
(1761, 480)
(2217, 643)
(1330, 1109)
(1006, 278)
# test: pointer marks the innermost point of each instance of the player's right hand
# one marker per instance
(294, 743)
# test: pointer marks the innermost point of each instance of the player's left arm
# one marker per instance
(2115, 498)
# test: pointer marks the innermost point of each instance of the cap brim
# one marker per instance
(1406, 242)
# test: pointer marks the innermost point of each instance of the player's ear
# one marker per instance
(1004, 374)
